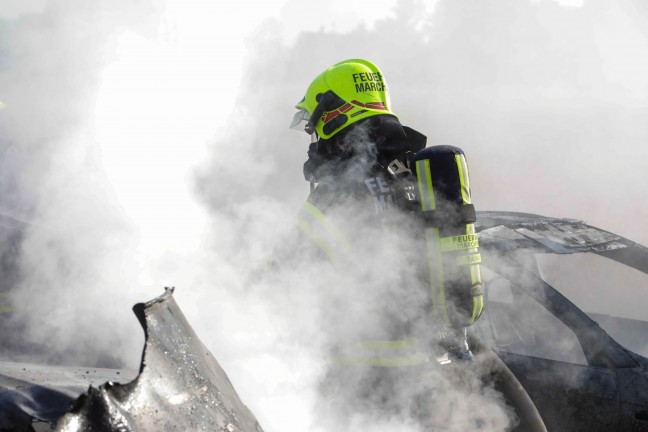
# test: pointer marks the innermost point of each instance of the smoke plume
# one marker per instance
(110, 151)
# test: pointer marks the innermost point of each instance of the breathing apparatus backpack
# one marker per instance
(441, 198)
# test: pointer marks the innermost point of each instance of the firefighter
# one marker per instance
(362, 158)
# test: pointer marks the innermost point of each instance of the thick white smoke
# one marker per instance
(110, 148)
(535, 93)
(79, 253)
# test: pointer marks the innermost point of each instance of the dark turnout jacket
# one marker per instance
(353, 164)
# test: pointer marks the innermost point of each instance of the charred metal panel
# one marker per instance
(32, 393)
(554, 235)
(180, 387)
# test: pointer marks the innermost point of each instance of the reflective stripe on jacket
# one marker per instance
(382, 353)
(323, 232)
(377, 353)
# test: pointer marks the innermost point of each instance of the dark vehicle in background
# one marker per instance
(567, 312)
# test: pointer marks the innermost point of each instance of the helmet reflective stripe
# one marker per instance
(382, 353)
(326, 235)
(356, 89)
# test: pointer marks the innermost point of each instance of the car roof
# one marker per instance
(509, 231)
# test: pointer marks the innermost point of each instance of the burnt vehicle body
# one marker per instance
(537, 270)
(584, 366)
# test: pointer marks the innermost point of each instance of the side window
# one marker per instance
(519, 324)
(612, 294)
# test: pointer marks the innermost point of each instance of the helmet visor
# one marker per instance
(300, 120)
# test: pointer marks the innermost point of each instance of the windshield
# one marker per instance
(610, 293)
(514, 322)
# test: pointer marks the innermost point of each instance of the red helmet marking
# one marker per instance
(327, 117)
(376, 105)
(330, 116)
(371, 105)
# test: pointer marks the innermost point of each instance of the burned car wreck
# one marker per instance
(566, 313)
(577, 357)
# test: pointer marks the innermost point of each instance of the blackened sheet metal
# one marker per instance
(39, 393)
(180, 386)
(508, 231)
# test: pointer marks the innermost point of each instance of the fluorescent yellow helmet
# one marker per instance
(344, 94)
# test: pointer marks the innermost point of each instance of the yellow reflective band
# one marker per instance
(5, 308)
(328, 249)
(433, 261)
(470, 230)
(478, 302)
(459, 242)
(382, 353)
(322, 219)
(441, 276)
(320, 229)
(462, 167)
(426, 192)
(475, 278)
(471, 259)
(475, 274)
(435, 267)
(435, 264)
(385, 344)
(478, 308)
(384, 362)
